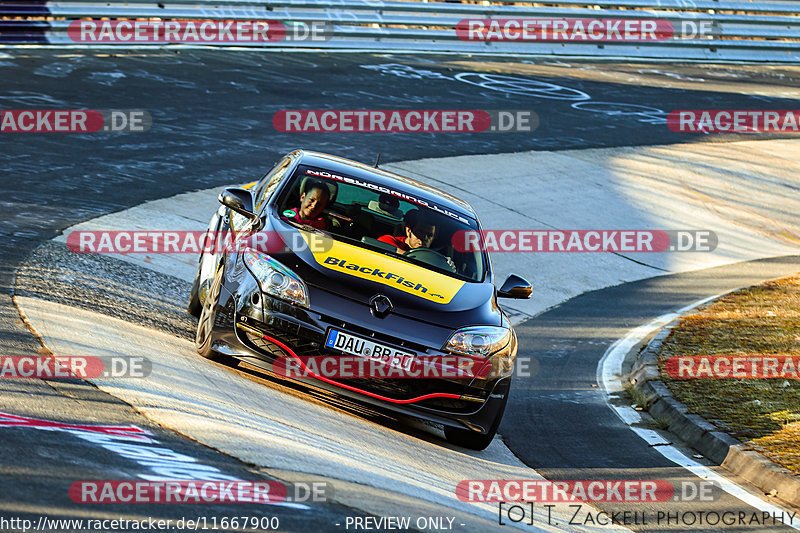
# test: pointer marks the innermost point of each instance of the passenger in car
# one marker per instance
(312, 202)
(418, 233)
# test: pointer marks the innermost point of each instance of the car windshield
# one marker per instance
(383, 219)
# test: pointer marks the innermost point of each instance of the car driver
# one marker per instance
(419, 233)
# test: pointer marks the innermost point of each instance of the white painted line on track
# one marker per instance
(609, 376)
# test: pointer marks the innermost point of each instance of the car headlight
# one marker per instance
(275, 279)
(480, 341)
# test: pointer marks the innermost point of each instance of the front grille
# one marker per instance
(273, 351)
(307, 343)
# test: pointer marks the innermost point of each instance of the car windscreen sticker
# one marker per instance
(380, 188)
(372, 266)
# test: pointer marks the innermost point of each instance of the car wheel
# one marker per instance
(472, 439)
(201, 284)
(205, 324)
(195, 307)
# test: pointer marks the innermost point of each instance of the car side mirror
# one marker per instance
(239, 200)
(515, 287)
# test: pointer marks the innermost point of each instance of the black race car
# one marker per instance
(352, 279)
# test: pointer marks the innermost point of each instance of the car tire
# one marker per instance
(472, 439)
(195, 307)
(205, 324)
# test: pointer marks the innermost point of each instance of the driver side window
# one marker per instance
(270, 182)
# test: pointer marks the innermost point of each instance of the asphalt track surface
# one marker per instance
(212, 116)
(558, 421)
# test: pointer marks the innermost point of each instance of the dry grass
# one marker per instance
(757, 321)
(783, 446)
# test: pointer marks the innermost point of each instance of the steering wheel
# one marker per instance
(431, 257)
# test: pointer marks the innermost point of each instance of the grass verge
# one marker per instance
(759, 321)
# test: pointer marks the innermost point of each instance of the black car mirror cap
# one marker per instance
(239, 200)
(515, 287)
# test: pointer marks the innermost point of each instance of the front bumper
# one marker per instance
(259, 329)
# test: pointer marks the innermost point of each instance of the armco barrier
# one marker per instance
(737, 30)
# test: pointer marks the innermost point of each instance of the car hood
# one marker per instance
(359, 274)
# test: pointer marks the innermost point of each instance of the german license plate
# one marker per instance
(368, 349)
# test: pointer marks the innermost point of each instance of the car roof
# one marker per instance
(387, 179)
